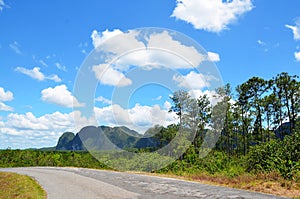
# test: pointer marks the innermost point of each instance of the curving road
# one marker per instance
(83, 183)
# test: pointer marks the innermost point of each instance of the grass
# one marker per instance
(265, 183)
(271, 183)
(15, 186)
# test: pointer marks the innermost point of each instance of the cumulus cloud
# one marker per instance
(31, 131)
(121, 43)
(4, 107)
(165, 41)
(152, 58)
(295, 29)
(139, 118)
(54, 78)
(103, 100)
(193, 80)
(110, 76)
(211, 94)
(213, 15)
(60, 95)
(297, 56)
(100, 37)
(167, 105)
(5, 96)
(35, 73)
(214, 57)
(159, 50)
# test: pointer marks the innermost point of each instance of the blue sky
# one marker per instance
(43, 44)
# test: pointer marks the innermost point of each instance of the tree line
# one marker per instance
(259, 111)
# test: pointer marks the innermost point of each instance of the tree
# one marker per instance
(203, 117)
(288, 92)
(179, 100)
(225, 95)
(194, 114)
(244, 106)
(269, 103)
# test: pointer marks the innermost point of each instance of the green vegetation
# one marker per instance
(27, 158)
(19, 186)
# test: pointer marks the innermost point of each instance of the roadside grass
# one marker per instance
(15, 186)
(271, 183)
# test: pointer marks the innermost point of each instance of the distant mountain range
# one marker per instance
(109, 138)
(104, 137)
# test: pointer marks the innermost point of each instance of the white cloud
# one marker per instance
(122, 42)
(214, 57)
(157, 98)
(5, 95)
(297, 56)
(100, 38)
(35, 73)
(152, 58)
(167, 105)
(54, 78)
(260, 42)
(60, 95)
(139, 118)
(211, 94)
(28, 130)
(213, 15)
(15, 46)
(164, 49)
(193, 80)
(103, 100)
(2, 5)
(166, 42)
(159, 50)
(109, 76)
(295, 29)
(42, 62)
(4, 107)
(31, 131)
(84, 45)
(60, 66)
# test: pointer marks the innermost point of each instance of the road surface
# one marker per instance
(65, 183)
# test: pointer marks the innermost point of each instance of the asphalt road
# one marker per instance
(65, 183)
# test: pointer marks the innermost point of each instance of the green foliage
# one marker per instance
(281, 156)
(216, 163)
(25, 158)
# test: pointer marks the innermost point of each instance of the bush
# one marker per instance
(281, 156)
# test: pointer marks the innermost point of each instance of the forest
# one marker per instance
(260, 134)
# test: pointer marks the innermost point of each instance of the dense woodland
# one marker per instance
(260, 133)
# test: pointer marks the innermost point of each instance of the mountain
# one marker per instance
(283, 130)
(100, 138)
(65, 141)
